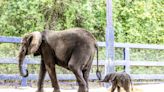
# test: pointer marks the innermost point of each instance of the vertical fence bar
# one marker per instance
(109, 38)
(24, 79)
(109, 68)
(127, 59)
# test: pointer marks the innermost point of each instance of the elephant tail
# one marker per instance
(98, 73)
(131, 83)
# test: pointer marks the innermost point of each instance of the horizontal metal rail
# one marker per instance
(4, 39)
(72, 77)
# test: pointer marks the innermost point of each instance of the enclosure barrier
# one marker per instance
(126, 62)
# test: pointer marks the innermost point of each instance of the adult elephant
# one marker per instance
(72, 49)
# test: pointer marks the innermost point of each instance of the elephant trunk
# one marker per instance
(21, 71)
(104, 80)
(21, 58)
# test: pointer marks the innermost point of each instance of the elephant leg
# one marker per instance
(86, 76)
(113, 88)
(118, 88)
(52, 73)
(75, 65)
(41, 77)
(126, 88)
(87, 71)
(82, 83)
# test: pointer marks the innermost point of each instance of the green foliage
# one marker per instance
(146, 55)
(146, 70)
(139, 21)
(9, 69)
(135, 21)
(88, 14)
(8, 50)
(20, 16)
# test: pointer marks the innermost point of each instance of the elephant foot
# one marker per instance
(56, 90)
(40, 90)
(83, 90)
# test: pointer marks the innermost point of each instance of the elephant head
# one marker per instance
(29, 45)
(109, 77)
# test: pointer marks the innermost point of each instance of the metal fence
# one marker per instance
(126, 62)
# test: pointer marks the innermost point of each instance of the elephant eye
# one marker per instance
(23, 49)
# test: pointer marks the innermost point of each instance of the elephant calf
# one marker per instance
(118, 80)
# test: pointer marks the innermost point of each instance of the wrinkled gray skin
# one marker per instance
(118, 80)
(72, 49)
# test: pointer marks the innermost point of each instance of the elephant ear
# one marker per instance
(34, 39)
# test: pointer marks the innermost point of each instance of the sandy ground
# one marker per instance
(152, 88)
(49, 90)
(143, 88)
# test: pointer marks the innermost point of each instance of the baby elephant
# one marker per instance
(118, 80)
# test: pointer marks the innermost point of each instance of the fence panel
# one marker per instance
(125, 62)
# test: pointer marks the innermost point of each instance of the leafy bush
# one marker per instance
(138, 21)
(20, 16)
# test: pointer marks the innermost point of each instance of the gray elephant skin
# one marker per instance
(119, 79)
(72, 49)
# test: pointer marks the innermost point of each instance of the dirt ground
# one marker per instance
(141, 88)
